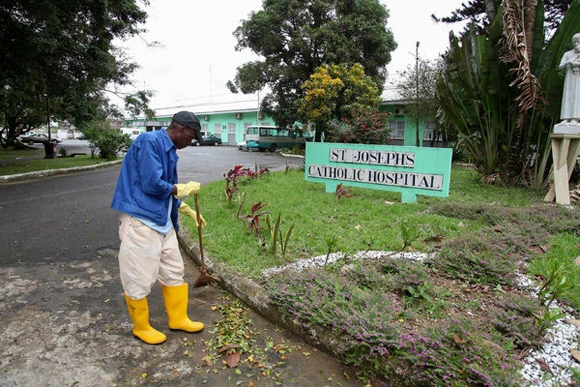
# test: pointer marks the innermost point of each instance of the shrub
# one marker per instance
(368, 126)
(108, 142)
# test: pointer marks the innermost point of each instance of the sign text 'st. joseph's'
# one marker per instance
(395, 159)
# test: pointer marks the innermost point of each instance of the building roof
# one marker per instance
(250, 103)
(240, 105)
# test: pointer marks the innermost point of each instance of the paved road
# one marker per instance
(69, 217)
(63, 321)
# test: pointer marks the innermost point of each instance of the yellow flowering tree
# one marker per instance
(334, 93)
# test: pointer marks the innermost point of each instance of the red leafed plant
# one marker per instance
(253, 219)
(342, 192)
(232, 180)
(238, 172)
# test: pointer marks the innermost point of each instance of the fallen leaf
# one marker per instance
(537, 249)
(494, 345)
(457, 339)
(436, 238)
(574, 322)
(226, 347)
(577, 261)
(544, 366)
(357, 227)
(233, 358)
(575, 354)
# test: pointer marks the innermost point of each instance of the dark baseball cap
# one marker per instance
(190, 120)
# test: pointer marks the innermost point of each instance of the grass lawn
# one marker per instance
(459, 318)
(14, 161)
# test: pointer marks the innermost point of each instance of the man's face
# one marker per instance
(186, 135)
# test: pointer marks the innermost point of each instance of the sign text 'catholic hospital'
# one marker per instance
(400, 179)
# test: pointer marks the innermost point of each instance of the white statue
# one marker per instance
(571, 97)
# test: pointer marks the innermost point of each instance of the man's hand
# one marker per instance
(184, 190)
(188, 211)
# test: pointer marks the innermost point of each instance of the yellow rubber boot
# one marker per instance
(139, 312)
(176, 302)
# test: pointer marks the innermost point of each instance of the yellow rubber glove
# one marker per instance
(188, 211)
(184, 190)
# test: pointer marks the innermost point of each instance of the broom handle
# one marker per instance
(199, 229)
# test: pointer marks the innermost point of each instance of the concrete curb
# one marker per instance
(292, 155)
(53, 172)
(257, 298)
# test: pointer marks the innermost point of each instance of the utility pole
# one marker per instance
(48, 145)
(257, 111)
(417, 139)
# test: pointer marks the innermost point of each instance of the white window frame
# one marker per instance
(428, 130)
(397, 129)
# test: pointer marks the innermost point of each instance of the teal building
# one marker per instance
(229, 120)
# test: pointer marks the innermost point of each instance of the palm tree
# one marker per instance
(519, 20)
(505, 101)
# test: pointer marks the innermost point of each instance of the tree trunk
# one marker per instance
(523, 20)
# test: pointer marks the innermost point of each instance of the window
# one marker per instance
(217, 129)
(429, 131)
(397, 129)
(268, 132)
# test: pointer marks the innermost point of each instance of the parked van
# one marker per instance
(272, 138)
(132, 132)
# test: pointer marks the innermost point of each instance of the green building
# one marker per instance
(229, 120)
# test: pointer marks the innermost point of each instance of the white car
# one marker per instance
(33, 138)
(242, 146)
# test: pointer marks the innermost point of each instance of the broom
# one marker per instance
(204, 277)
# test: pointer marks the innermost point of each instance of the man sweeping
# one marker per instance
(148, 196)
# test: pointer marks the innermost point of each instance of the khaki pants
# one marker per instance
(146, 256)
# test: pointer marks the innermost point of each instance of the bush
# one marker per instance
(368, 126)
(111, 143)
(107, 141)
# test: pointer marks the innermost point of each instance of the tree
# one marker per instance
(426, 99)
(295, 37)
(336, 92)
(483, 12)
(503, 91)
(57, 58)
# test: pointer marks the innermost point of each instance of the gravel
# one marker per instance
(549, 366)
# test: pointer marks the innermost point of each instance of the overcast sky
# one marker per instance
(196, 54)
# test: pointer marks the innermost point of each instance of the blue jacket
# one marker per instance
(147, 176)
